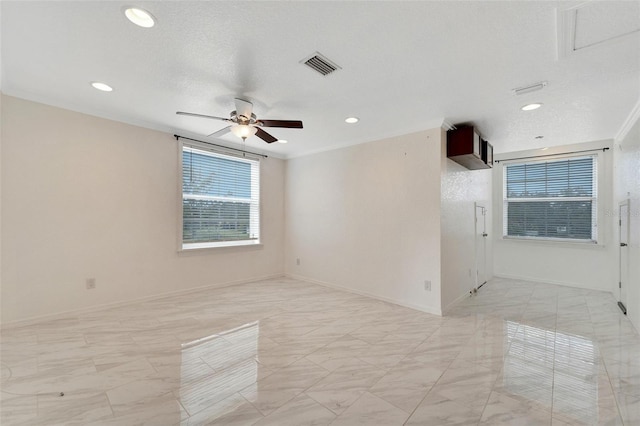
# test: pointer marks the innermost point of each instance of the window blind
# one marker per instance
(552, 199)
(220, 198)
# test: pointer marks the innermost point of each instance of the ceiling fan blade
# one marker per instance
(243, 108)
(220, 132)
(292, 124)
(265, 136)
(191, 114)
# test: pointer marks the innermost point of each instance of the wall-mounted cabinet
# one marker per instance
(466, 147)
(487, 153)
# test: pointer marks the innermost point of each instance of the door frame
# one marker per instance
(625, 203)
(476, 282)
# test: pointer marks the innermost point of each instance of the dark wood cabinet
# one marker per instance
(467, 148)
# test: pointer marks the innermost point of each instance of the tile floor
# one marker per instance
(285, 352)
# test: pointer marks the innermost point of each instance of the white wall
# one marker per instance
(577, 265)
(367, 218)
(627, 184)
(88, 197)
(460, 188)
(1, 132)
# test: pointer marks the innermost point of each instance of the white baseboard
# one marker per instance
(65, 314)
(554, 282)
(426, 309)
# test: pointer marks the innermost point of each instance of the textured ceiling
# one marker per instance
(406, 66)
(597, 22)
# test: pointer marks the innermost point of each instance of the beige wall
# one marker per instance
(460, 189)
(1, 271)
(367, 218)
(578, 265)
(84, 197)
(87, 197)
(627, 184)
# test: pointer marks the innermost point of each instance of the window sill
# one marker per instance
(198, 247)
(589, 245)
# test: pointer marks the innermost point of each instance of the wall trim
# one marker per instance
(102, 307)
(628, 124)
(434, 124)
(554, 282)
(424, 309)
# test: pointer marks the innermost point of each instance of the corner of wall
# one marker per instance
(626, 178)
(123, 227)
(366, 218)
(461, 189)
(576, 265)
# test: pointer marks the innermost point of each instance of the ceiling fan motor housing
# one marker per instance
(242, 119)
(246, 123)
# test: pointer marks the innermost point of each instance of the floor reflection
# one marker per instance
(552, 368)
(516, 353)
(232, 356)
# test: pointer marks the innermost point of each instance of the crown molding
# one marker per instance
(628, 124)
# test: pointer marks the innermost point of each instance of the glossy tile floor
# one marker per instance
(285, 352)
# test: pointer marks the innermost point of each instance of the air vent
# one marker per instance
(320, 64)
(530, 88)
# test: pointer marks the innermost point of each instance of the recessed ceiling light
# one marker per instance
(544, 149)
(140, 17)
(101, 86)
(282, 141)
(531, 107)
(351, 120)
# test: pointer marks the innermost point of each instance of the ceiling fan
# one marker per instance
(245, 123)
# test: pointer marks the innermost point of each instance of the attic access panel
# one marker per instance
(596, 23)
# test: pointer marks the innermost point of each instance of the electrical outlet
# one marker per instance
(298, 261)
(427, 285)
(91, 283)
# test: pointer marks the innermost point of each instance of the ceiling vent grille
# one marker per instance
(530, 88)
(320, 64)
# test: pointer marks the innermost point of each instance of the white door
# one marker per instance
(481, 246)
(624, 255)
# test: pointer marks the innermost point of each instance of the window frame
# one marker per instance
(218, 152)
(596, 213)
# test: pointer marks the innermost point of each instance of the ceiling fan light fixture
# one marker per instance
(531, 107)
(243, 131)
(244, 123)
(140, 17)
(351, 120)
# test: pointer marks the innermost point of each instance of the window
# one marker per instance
(554, 199)
(220, 199)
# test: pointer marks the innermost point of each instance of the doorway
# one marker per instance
(480, 246)
(623, 255)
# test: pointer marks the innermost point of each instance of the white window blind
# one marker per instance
(552, 199)
(220, 199)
